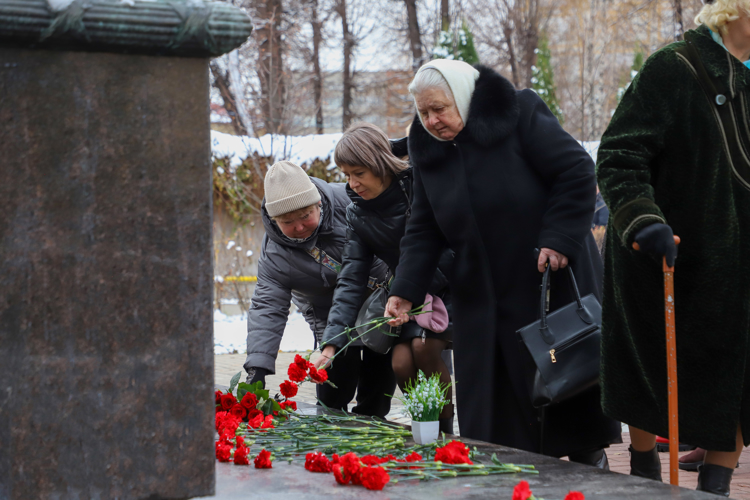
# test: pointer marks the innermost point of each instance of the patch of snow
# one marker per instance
(303, 149)
(230, 245)
(230, 334)
(59, 5)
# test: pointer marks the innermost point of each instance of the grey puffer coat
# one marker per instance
(287, 272)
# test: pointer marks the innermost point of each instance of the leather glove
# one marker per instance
(254, 374)
(658, 239)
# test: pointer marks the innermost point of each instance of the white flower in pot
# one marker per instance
(424, 400)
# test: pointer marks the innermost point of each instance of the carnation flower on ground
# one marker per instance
(241, 455)
(374, 478)
(454, 452)
(318, 462)
(521, 491)
(263, 460)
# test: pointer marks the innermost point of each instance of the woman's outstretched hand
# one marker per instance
(556, 260)
(397, 308)
(324, 360)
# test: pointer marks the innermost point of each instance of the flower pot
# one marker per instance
(425, 432)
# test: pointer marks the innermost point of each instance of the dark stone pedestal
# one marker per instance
(555, 479)
(106, 353)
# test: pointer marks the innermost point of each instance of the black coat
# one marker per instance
(375, 228)
(510, 182)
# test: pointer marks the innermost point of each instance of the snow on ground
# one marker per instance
(297, 149)
(230, 334)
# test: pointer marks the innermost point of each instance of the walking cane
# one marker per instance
(674, 439)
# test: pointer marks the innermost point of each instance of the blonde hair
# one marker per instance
(365, 145)
(718, 13)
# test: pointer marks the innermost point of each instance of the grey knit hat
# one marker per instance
(288, 188)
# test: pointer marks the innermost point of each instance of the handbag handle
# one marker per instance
(583, 313)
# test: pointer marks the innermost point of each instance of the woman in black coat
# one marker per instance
(380, 187)
(495, 188)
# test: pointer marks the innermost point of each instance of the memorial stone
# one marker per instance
(106, 279)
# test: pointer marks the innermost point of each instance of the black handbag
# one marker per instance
(379, 340)
(565, 346)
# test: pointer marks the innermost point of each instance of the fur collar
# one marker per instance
(493, 115)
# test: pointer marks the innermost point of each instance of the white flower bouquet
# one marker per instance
(424, 400)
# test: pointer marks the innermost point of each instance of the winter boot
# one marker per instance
(446, 419)
(596, 458)
(714, 479)
(645, 464)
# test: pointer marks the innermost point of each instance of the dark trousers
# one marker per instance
(365, 372)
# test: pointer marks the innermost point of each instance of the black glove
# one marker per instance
(658, 239)
(254, 374)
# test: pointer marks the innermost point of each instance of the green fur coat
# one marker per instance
(664, 158)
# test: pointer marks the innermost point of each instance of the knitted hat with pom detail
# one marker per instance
(288, 188)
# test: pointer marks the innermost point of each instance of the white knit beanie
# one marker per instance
(288, 188)
(461, 78)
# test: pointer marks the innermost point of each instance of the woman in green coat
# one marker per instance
(675, 159)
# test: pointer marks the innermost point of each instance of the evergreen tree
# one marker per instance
(461, 47)
(465, 50)
(542, 79)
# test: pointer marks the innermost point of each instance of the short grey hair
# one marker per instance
(429, 78)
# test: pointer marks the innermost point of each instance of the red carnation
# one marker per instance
(240, 441)
(374, 478)
(302, 362)
(335, 459)
(351, 465)
(318, 376)
(288, 389)
(521, 491)
(263, 460)
(240, 455)
(454, 452)
(341, 477)
(238, 411)
(372, 460)
(249, 401)
(413, 457)
(288, 404)
(220, 416)
(267, 423)
(575, 495)
(317, 462)
(227, 401)
(296, 374)
(256, 421)
(217, 396)
(229, 424)
(223, 451)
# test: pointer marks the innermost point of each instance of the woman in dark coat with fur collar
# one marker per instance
(496, 177)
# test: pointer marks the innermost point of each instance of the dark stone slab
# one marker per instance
(106, 353)
(194, 28)
(555, 479)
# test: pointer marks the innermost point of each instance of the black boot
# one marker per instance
(714, 479)
(645, 464)
(596, 458)
(446, 419)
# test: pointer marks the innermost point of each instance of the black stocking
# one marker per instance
(403, 364)
(427, 357)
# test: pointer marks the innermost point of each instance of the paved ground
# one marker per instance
(226, 365)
